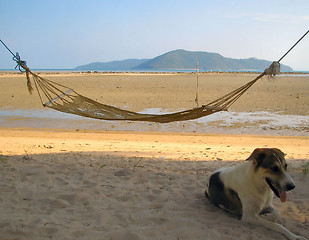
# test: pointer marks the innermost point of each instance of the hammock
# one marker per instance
(64, 99)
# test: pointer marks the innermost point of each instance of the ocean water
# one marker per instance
(296, 73)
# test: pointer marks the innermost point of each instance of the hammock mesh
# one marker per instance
(65, 99)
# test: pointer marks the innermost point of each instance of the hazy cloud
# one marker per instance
(275, 18)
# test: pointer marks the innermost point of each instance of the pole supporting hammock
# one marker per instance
(65, 99)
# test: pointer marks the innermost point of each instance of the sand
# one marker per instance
(127, 185)
(285, 94)
(273, 106)
(89, 184)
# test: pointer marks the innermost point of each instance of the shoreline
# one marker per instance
(58, 72)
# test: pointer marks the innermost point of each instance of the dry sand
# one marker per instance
(67, 184)
(127, 185)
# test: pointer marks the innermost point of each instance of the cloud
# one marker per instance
(281, 18)
(275, 18)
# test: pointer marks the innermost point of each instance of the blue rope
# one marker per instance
(20, 63)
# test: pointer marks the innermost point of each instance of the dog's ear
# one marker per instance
(257, 156)
(278, 152)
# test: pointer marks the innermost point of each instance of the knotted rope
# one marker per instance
(273, 69)
(21, 65)
(16, 58)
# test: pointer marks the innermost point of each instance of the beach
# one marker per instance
(74, 178)
(287, 94)
(272, 106)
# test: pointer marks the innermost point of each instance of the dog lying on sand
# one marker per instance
(248, 189)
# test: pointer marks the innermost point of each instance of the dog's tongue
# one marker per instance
(282, 196)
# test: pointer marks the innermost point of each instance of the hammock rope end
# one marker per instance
(273, 69)
(29, 84)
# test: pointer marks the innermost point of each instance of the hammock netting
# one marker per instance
(64, 99)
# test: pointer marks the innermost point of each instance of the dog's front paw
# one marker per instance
(292, 236)
(299, 238)
(271, 214)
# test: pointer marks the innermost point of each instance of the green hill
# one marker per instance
(115, 65)
(186, 60)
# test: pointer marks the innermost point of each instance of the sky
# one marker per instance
(63, 34)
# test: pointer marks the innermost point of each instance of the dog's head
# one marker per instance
(270, 164)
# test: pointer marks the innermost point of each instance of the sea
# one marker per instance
(295, 73)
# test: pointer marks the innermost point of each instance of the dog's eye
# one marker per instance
(275, 169)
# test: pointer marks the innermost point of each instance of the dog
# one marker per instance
(247, 190)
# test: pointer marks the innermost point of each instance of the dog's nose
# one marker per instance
(289, 186)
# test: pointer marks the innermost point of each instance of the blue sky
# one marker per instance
(68, 33)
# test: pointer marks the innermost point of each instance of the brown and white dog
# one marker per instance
(248, 189)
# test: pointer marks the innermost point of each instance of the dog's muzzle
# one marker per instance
(289, 186)
(280, 192)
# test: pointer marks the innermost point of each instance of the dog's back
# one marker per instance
(222, 196)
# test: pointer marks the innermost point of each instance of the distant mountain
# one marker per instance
(186, 60)
(115, 65)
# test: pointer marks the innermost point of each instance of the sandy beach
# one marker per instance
(128, 185)
(273, 106)
(287, 94)
(70, 178)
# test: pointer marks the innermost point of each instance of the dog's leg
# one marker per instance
(251, 216)
(270, 214)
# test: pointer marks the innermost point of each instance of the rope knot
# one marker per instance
(23, 64)
(20, 63)
(274, 69)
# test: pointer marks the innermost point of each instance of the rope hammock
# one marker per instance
(64, 99)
